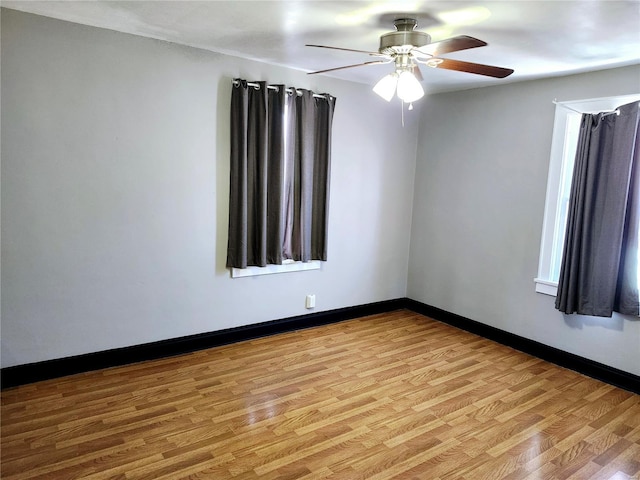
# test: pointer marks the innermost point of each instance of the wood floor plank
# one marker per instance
(394, 395)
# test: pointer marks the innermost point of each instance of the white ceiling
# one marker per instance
(536, 38)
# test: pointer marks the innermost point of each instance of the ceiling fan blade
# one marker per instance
(373, 62)
(477, 68)
(377, 54)
(454, 44)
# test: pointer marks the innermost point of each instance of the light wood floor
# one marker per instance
(396, 395)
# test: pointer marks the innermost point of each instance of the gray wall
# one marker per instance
(479, 199)
(115, 194)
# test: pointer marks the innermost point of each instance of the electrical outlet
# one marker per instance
(310, 301)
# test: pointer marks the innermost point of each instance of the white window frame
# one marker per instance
(561, 160)
(287, 266)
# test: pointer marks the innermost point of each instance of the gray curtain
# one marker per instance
(280, 170)
(321, 175)
(275, 174)
(311, 173)
(598, 274)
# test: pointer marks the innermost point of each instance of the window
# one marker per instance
(563, 149)
(288, 264)
(279, 178)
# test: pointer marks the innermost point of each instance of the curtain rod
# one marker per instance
(273, 87)
(631, 97)
(604, 114)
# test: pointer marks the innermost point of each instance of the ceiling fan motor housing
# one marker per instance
(404, 36)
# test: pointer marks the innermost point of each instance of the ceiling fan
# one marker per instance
(408, 48)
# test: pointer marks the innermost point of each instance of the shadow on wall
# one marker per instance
(222, 173)
(614, 323)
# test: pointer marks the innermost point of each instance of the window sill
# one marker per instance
(287, 266)
(546, 287)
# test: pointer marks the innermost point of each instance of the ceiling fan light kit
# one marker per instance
(405, 83)
(407, 48)
(386, 86)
